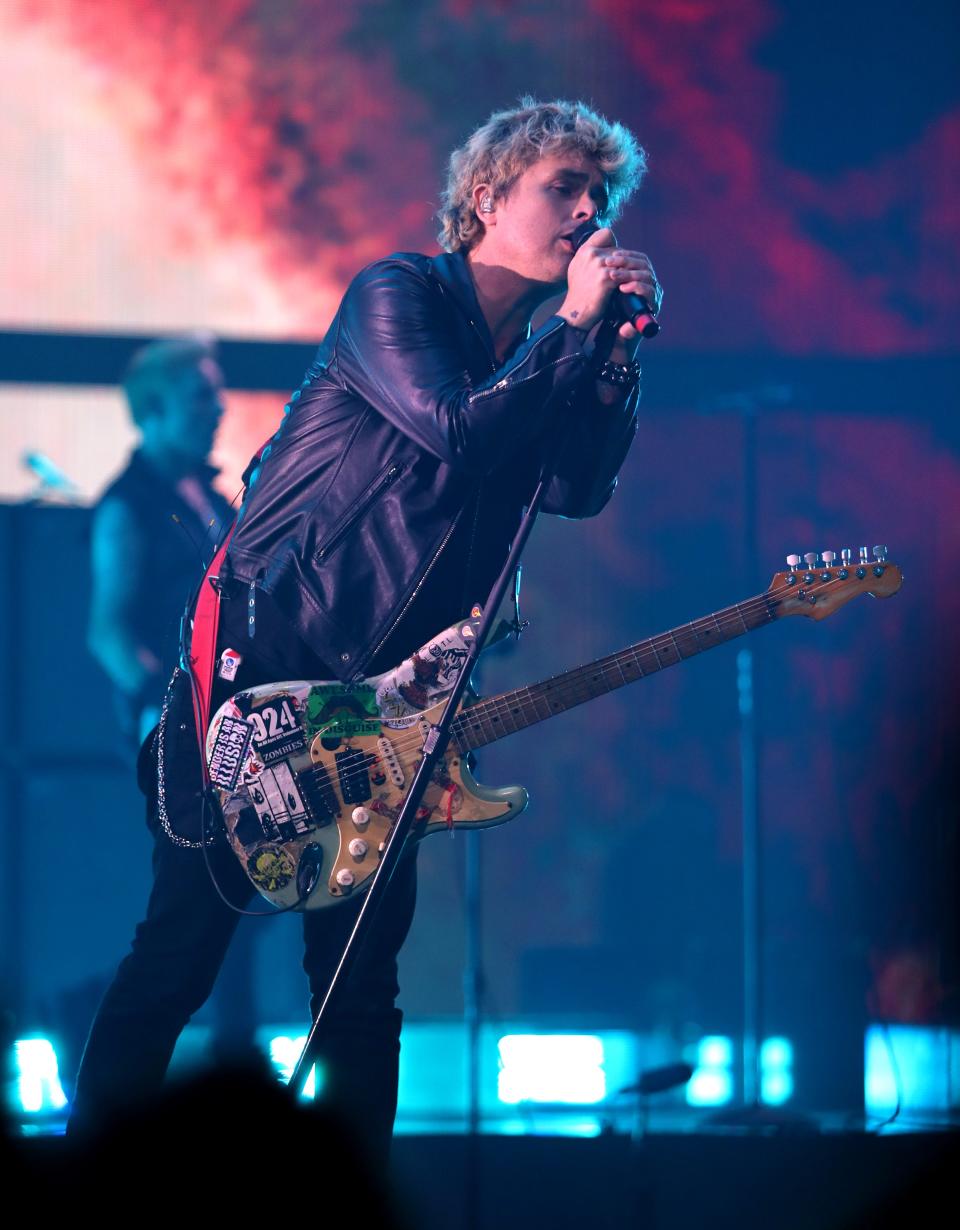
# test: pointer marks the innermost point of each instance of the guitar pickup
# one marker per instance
(390, 759)
(353, 770)
(318, 794)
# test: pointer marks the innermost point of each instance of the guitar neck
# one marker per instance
(492, 719)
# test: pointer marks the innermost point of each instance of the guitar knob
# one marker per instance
(345, 877)
(793, 562)
(864, 555)
(811, 559)
(358, 847)
(360, 817)
(828, 557)
(846, 555)
(880, 554)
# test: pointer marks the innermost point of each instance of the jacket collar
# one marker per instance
(453, 272)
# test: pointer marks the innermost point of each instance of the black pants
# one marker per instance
(176, 953)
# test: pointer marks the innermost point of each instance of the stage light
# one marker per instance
(551, 1068)
(776, 1071)
(715, 1051)
(712, 1080)
(709, 1087)
(776, 1053)
(284, 1053)
(913, 1065)
(776, 1087)
(38, 1076)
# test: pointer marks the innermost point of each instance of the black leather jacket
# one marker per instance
(402, 424)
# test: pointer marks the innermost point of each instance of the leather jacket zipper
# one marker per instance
(508, 380)
(511, 382)
(406, 605)
(359, 509)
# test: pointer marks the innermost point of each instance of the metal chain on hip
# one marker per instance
(183, 842)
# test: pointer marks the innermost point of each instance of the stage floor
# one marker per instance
(694, 1178)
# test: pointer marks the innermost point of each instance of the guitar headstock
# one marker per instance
(816, 585)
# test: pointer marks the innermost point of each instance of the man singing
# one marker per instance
(380, 511)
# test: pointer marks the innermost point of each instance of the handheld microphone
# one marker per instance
(621, 307)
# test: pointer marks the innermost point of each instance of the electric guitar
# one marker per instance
(310, 775)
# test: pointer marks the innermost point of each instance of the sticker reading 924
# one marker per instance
(277, 732)
(229, 752)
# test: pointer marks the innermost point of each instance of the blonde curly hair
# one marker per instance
(500, 150)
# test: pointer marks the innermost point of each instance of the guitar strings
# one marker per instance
(498, 708)
(494, 708)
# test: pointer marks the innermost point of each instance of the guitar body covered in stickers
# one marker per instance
(311, 775)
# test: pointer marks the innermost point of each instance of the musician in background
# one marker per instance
(154, 530)
(380, 511)
(155, 523)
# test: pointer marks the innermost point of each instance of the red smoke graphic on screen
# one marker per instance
(310, 138)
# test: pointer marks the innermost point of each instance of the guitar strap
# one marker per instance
(203, 647)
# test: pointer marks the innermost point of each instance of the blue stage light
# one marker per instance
(284, 1053)
(710, 1087)
(551, 1068)
(776, 1054)
(776, 1087)
(38, 1076)
(715, 1051)
(712, 1081)
(776, 1071)
(913, 1065)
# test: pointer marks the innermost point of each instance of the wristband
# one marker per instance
(622, 375)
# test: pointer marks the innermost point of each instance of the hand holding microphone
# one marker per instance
(599, 266)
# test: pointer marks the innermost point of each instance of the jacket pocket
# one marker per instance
(358, 509)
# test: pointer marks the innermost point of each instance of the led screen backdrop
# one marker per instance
(234, 163)
(230, 165)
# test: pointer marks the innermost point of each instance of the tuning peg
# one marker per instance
(828, 557)
(811, 559)
(846, 555)
(793, 562)
(864, 555)
(880, 554)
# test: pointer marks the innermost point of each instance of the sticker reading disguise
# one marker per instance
(229, 752)
(342, 710)
(277, 732)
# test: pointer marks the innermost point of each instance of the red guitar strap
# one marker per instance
(203, 638)
(203, 646)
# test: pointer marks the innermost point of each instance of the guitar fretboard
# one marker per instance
(492, 719)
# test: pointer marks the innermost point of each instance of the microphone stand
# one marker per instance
(752, 1113)
(434, 748)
